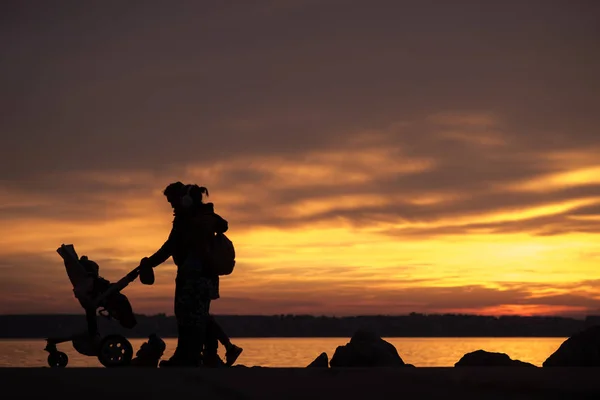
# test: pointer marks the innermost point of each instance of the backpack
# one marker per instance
(222, 255)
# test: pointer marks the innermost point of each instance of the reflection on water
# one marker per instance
(299, 352)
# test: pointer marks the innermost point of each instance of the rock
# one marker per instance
(366, 349)
(149, 353)
(482, 358)
(580, 350)
(322, 361)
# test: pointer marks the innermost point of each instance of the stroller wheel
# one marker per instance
(57, 359)
(115, 351)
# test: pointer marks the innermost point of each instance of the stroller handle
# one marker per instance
(118, 286)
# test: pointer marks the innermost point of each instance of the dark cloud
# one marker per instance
(471, 175)
(471, 181)
(542, 226)
(130, 86)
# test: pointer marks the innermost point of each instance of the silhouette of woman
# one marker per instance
(188, 243)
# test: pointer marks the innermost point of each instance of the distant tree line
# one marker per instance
(413, 325)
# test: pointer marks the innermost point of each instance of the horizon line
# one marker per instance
(332, 316)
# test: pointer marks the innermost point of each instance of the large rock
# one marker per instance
(580, 350)
(150, 352)
(322, 361)
(366, 349)
(482, 358)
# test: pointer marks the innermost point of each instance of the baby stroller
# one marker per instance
(96, 294)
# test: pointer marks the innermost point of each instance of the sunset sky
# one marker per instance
(371, 157)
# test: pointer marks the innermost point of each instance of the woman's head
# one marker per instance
(184, 196)
(174, 192)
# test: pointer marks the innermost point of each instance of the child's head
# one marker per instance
(91, 268)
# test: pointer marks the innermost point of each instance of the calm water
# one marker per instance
(299, 352)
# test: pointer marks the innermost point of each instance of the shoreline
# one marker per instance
(301, 383)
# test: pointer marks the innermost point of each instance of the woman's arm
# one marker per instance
(162, 254)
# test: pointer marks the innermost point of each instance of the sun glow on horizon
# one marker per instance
(338, 259)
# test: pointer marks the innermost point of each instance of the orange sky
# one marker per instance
(370, 172)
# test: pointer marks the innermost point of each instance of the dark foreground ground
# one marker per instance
(306, 384)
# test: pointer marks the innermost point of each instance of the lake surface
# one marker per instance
(299, 352)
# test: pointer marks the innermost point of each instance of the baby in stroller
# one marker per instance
(96, 294)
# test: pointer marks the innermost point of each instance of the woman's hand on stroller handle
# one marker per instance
(145, 262)
(144, 271)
